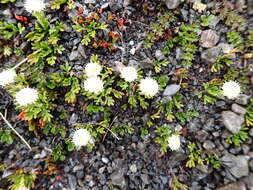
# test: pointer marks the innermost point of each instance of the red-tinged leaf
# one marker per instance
(21, 19)
(121, 21)
(21, 116)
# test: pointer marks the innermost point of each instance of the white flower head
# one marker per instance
(231, 89)
(94, 85)
(34, 5)
(149, 86)
(81, 137)
(26, 96)
(23, 188)
(198, 6)
(174, 142)
(129, 73)
(92, 69)
(7, 77)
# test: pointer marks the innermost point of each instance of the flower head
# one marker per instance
(129, 74)
(34, 5)
(92, 69)
(231, 89)
(174, 142)
(200, 7)
(7, 77)
(81, 137)
(23, 188)
(149, 87)
(94, 85)
(26, 96)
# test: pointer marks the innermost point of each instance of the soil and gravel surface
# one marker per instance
(135, 162)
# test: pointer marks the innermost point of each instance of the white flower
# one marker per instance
(34, 5)
(26, 96)
(174, 142)
(23, 188)
(231, 89)
(7, 77)
(93, 85)
(81, 137)
(92, 69)
(200, 7)
(149, 86)
(129, 74)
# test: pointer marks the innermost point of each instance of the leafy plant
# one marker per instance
(249, 114)
(177, 185)
(205, 20)
(8, 30)
(163, 133)
(194, 156)
(221, 62)
(125, 128)
(235, 39)
(58, 153)
(213, 160)
(22, 179)
(5, 136)
(159, 64)
(56, 4)
(7, 1)
(186, 116)
(211, 91)
(238, 138)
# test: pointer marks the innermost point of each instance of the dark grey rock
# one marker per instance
(72, 182)
(81, 50)
(214, 22)
(238, 109)
(73, 119)
(118, 179)
(172, 4)
(248, 181)
(226, 48)
(232, 121)
(144, 179)
(171, 90)
(208, 39)
(236, 165)
(210, 55)
(242, 99)
(233, 186)
(74, 55)
(115, 5)
(159, 55)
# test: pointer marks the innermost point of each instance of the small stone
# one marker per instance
(210, 55)
(73, 118)
(232, 121)
(238, 109)
(72, 182)
(101, 170)
(236, 165)
(90, 1)
(171, 90)
(118, 179)
(144, 178)
(248, 181)
(226, 48)
(115, 5)
(131, 43)
(172, 4)
(208, 145)
(159, 55)
(74, 55)
(105, 160)
(214, 22)
(242, 99)
(233, 186)
(133, 168)
(132, 51)
(81, 50)
(208, 39)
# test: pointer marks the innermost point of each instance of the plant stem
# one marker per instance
(23, 61)
(9, 125)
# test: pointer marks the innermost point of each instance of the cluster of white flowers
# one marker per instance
(92, 69)
(149, 87)
(81, 137)
(26, 96)
(7, 77)
(34, 5)
(198, 6)
(174, 142)
(231, 89)
(94, 85)
(129, 73)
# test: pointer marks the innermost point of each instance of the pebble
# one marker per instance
(171, 90)
(172, 4)
(210, 55)
(159, 55)
(118, 179)
(242, 99)
(208, 145)
(233, 186)
(232, 121)
(238, 109)
(208, 39)
(74, 55)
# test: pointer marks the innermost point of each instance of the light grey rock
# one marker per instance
(242, 99)
(144, 178)
(233, 186)
(236, 165)
(81, 50)
(208, 39)
(171, 90)
(72, 182)
(210, 55)
(208, 145)
(172, 4)
(159, 55)
(105, 160)
(115, 5)
(248, 181)
(118, 179)
(90, 1)
(232, 121)
(74, 55)
(73, 119)
(226, 48)
(238, 109)
(214, 22)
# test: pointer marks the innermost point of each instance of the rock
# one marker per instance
(236, 165)
(118, 179)
(171, 90)
(133, 168)
(208, 39)
(233, 186)
(90, 1)
(144, 178)
(238, 109)
(172, 4)
(105, 160)
(232, 121)
(248, 181)
(115, 5)
(226, 48)
(242, 99)
(73, 119)
(201, 135)
(159, 55)
(208, 145)
(210, 55)
(81, 50)
(214, 22)
(72, 182)
(74, 55)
